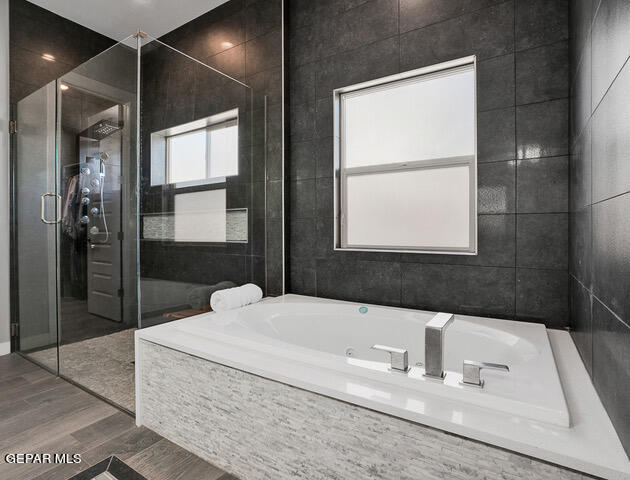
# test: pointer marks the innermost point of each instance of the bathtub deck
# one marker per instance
(590, 445)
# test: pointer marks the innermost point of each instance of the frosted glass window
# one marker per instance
(224, 151)
(187, 157)
(421, 207)
(200, 216)
(197, 155)
(406, 161)
(415, 119)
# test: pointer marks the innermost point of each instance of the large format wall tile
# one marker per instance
(541, 22)
(542, 296)
(495, 83)
(600, 200)
(459, 289)
(542, 73)
(542, 129)
(496, 135)
(486, 33)
(375, 60)
(496, 187)
(367, 23)
(581, 322)
(542, 240)
(415, 14)
(581, 245)
(580, 28)
(611, 369)
(35, 31)
(611, 140)
(611, 254)
(611, 44)
(320, 60)
(542, 185)
(580, 170)
(581, 87)
(370, 282)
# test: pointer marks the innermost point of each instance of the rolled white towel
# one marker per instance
(236, 297)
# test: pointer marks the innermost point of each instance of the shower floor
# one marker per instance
(104, 365)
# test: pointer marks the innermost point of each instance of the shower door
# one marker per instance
(75, 223)
(37, 211)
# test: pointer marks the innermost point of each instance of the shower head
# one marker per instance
(101, 130)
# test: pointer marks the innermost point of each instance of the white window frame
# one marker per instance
(341, 172)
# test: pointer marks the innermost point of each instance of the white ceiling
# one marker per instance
(118, 19)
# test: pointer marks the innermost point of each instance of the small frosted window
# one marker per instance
(187, 157)
(224, 151)
(406, 157)
(200, 152)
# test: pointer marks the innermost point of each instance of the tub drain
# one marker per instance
(349, 352)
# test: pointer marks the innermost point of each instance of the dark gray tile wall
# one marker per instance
(523, 137)
(34, 31)
(242, 38)
(600, 199)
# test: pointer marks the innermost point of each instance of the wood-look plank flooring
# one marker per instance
(41, 413)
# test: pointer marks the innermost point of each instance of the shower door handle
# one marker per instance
(42, 214)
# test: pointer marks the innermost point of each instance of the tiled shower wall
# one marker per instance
(523, 88)
(600, 199)
(243, 39)
(34, 31)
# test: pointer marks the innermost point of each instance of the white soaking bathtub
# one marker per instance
(338, 336)
(544, 407)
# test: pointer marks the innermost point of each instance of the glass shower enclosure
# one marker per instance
(76, 216)
(138, 193)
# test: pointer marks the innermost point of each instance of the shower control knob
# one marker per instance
(85, 220)
(85, 191)
(85, 201)
(94, 230)
(94, 211)
(95, 182)
(85, 171)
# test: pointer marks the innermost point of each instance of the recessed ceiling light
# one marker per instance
(63, 86)
(227, 44)
(48, 57)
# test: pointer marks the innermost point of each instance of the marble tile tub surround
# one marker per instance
(600, 199)
(523, 88)
(259, 428)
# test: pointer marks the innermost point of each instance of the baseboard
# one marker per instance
(5, 348)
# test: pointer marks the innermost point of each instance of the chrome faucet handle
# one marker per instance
(472, 372)
(399, 358)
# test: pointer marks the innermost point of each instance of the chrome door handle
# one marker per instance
(472, 372)
(42, 214)
(399, 358)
